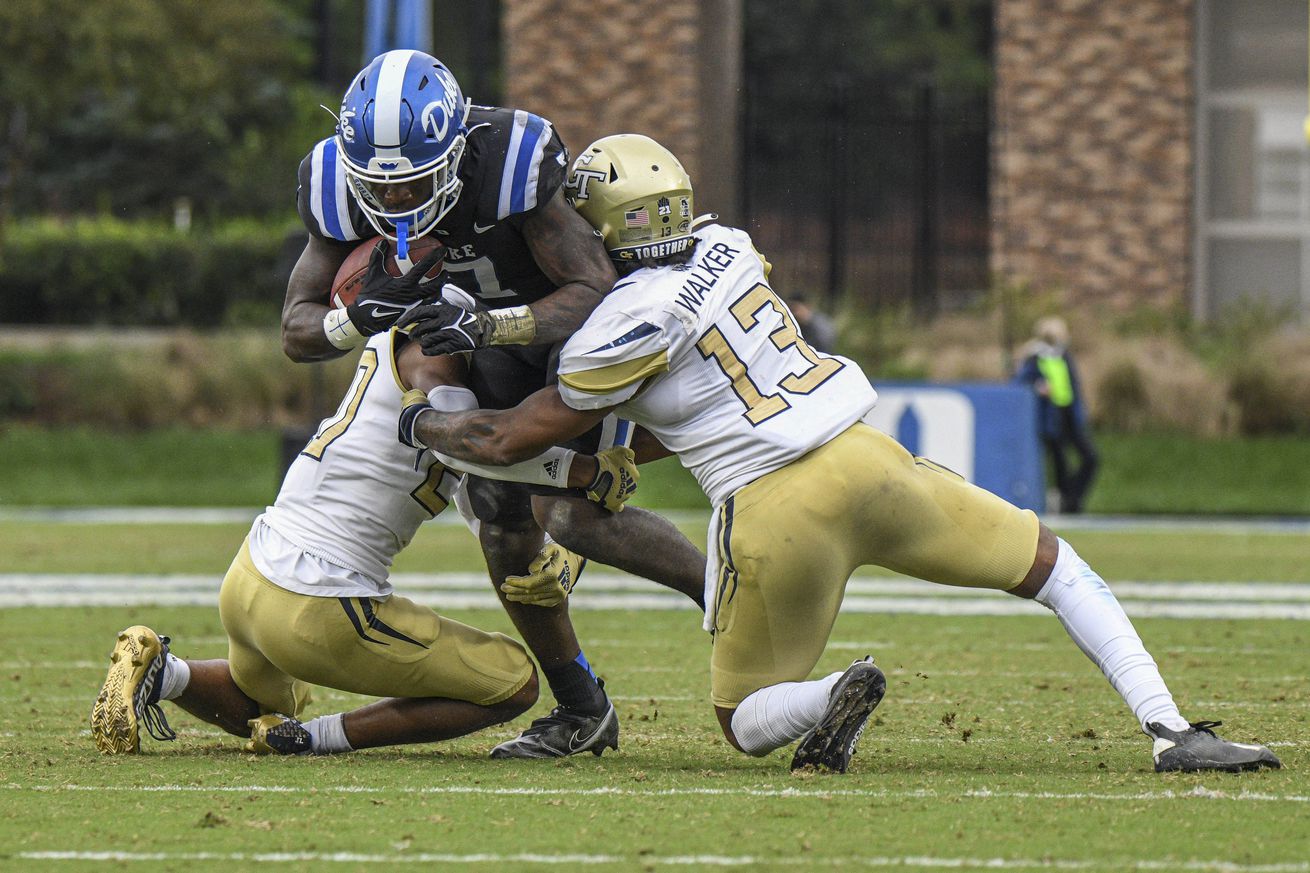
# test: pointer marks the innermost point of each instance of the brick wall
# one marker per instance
(607, 66)
(670, 70)
(1092, 148)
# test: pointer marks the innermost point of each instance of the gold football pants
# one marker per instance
(281, 642)
(790, 540)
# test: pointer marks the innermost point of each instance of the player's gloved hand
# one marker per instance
(384, 298)
(551, 577)
(442, 328)
(413, 404)
(616, 478)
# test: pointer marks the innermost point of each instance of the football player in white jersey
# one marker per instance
(694, 345)
(307, 599)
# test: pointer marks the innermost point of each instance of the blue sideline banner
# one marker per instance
(986, 433)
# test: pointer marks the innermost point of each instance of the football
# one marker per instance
(350, 277)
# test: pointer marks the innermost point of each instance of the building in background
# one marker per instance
(1128, 152)
(1152, 151)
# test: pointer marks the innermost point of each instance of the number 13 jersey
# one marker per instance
(708, 359)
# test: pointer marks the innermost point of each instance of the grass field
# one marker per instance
(997, 746)
(1139, 474)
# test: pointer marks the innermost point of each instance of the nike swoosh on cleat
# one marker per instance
(577, 744)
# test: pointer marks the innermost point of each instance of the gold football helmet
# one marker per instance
(636, 194)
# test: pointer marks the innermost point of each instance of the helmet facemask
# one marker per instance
(403, 121)
(443, 189)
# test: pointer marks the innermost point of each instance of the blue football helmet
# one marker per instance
(403, 121)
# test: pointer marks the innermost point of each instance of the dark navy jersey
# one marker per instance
(513, 163)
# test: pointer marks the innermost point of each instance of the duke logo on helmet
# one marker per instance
(403, 123)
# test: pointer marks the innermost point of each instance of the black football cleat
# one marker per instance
(562, 733)
(1199, 748)
(831, 743)
(278, 734)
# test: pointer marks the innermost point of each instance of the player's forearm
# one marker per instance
(557, 316)
(482, 436)
(303, 337)
(557, 467)
(551, 319)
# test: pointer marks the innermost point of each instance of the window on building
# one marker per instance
(1253, 163)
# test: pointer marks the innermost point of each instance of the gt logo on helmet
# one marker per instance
(582, 178)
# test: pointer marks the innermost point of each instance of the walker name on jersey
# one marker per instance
(707, 270)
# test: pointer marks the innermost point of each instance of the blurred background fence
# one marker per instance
(877, 197)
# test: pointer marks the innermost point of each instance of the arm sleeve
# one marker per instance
(550, 468)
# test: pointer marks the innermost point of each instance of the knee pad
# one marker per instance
(501, 504)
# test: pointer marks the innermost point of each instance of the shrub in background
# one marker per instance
(1121, 396)
(1245, 373)
(233, 379)
(107, 271)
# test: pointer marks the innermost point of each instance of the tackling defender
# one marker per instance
(411, 157)
(694, 345)
(307, 599)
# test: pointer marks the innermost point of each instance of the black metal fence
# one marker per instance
(876, 195)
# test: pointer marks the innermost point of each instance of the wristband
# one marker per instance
(513, 326)
(341, 331)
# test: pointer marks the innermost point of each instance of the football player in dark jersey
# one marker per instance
(411, 157)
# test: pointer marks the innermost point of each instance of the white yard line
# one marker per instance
(1198, 793)
(1211, 600)
(1297, 525)
(1090, 676)
(645, 860)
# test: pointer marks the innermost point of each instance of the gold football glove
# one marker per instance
(616, 478)
(551, 576)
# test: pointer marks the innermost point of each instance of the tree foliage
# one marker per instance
(868, 44)
(123, 106)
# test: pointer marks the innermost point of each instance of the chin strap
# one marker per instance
(402, 240)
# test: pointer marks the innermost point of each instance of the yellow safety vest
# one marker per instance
(1056, 373)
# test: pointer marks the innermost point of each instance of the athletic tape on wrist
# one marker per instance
(514, 325)
(341, 331)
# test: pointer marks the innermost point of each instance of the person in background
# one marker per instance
(1048, 368)
(816, 325)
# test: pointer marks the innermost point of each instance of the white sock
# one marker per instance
(176, 677)
(772, 717)
(327, 734)
(1096, 622)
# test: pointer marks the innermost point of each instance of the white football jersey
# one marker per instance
(707, 358)
(356, 495)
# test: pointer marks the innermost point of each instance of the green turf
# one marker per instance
(71, 467)
(1156, 473)
(1139, 474)
(996, 741)
(84, 467)
(38, 547)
